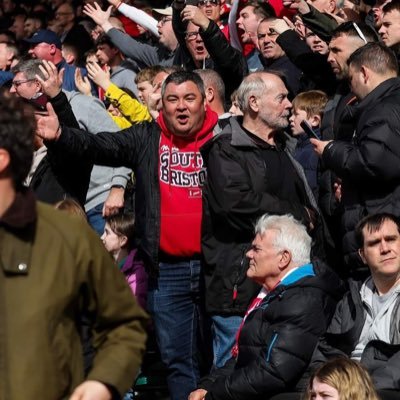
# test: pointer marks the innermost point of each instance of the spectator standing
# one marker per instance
(46, 45)
(250, 171)
(370, 183)
(168, 167)
(46, 328)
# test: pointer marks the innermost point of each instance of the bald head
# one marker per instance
(262, 97)
(256, 84)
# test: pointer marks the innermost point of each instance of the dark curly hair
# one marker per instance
(17, 131)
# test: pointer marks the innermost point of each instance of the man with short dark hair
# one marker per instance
(164, 155)
(215, 90)
(122, 72)
(205, 46)
(53, 270)
(250, 17)
(390, 28)
(72, 33)
(365, 326)
(370, 180)
(274, 58)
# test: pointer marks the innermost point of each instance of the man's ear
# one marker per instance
(10, 56)
(4, 160)
(209, 94)
(332, 6)
(285, 260)
(53, 49)
(69, 58)
(365, 73)
(253, 103)
(361, 254)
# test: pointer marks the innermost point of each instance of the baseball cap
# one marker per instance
(163, 11)
(45, 36)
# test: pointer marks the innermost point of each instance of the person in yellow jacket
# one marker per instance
(132, 111)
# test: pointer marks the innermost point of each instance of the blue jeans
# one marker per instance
(95, 218)
(129, 395)
(224, 331)
(174, 302)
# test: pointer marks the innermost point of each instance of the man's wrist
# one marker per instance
(204, 25)
(304, 8)
(106, 26)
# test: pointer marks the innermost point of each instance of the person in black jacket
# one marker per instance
(365, 326)
(282, 325)
(250, 171)
(274, 58)
(206, 46)
(169, 171)
(368, 164)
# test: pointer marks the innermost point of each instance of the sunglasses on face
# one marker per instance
(203, 3)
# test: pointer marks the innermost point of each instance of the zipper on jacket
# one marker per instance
(271, 346)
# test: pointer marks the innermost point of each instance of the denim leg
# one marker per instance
(95, 218)
(224, 331)
(173, 301)
(129, 395)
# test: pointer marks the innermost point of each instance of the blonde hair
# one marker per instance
(312, 102)
(348, 377)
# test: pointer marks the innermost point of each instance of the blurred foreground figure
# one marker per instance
(54, 268)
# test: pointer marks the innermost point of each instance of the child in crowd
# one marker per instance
(72, 207)
(118, 239)
(307, 106)
(235, 109)
(341, 379)
(144, 82)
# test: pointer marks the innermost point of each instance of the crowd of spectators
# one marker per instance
(240, 162)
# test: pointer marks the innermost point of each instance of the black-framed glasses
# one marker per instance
(18, 83)
(164, 20)
(203, 3)
(192, 35)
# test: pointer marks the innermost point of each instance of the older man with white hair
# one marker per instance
(282, 325)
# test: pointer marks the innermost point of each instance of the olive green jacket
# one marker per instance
(52, 267)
